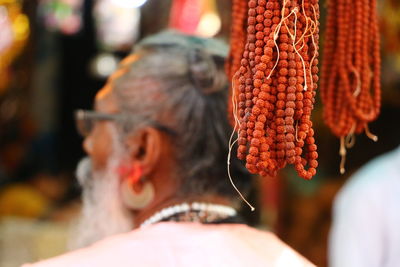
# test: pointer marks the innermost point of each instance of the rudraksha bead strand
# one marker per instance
(276, 86)
(350, 85)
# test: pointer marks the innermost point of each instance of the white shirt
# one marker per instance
(366, 224)
(171, 244)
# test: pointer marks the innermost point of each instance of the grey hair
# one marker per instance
(179, 80)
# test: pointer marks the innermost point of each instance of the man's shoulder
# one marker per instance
(164, 244)
(107, 252)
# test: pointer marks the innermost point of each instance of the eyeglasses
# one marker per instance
(86, 119)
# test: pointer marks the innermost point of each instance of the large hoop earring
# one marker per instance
(134, 200)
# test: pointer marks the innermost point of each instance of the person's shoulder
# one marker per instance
(379, 172)
(107, 252)
(260, 247)
(234, 243)
(118, 250)
(371, 182)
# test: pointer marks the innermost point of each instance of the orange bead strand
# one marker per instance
(277, 79)
(350, 77)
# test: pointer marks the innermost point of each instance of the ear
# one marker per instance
(145, 148)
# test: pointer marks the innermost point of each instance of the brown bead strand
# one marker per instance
(266, 95)
(237, 44)
(271, 83)
(290, 65)
(357, 105)
(362, 58)
(246, 90)
(376, 58)
(329, 50)
(350, 79)
(270, 52)
(306, 133)
(245, 74)
(250, 118)
(238, 38)
(259, 110)
(282, 78)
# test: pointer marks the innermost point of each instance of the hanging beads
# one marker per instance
(275, 84)
(238, 37)
(237, 44)
(350, 78)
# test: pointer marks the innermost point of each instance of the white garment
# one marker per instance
(366, 224)
(171, 244)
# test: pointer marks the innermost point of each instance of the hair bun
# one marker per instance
(203, 72)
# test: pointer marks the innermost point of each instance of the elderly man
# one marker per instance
(156, 192)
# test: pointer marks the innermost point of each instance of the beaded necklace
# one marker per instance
(192, 212)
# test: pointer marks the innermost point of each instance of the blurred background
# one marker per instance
(56, 54)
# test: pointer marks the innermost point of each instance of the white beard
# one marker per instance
(103, 213)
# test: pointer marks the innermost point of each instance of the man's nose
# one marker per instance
(88, 145)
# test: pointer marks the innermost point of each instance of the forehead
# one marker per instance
(105, 99)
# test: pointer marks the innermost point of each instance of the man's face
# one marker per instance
(98, 144)
(103, 212)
